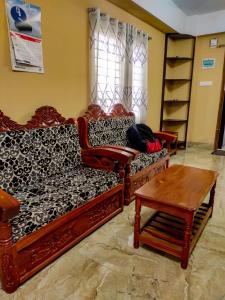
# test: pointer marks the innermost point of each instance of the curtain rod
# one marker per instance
(92, 9)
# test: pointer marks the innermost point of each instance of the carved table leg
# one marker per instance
(211, 199)
(9, 275)
(137, 222)
(187, 236)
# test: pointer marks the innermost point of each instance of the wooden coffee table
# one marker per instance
(177, 194)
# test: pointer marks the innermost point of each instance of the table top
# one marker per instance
(179, 186)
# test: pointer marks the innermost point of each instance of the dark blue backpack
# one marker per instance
(138, 134)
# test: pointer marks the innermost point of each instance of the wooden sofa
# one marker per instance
(50, 197)
(98, 129)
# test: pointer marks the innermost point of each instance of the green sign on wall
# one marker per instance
(208, 63)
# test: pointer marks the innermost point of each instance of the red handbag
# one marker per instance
(153, 147)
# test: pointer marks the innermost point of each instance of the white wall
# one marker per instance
(207, 23)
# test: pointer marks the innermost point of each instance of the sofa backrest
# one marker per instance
(111, 131)
(28, 156)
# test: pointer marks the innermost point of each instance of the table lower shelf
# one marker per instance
(166, 232)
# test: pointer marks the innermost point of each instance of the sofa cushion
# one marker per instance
(54, 196)
(26, 157)
(111, 131)
(146, 159)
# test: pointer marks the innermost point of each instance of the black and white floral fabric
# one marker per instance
(26, 157)
(146, 159)
(109, 131)
(57, 195)
(42, 168)
(114, 132)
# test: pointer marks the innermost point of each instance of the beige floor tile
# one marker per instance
(105, 266)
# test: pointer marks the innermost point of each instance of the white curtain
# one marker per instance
(137, 72)
(118, 64)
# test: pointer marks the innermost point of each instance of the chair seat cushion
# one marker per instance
(146, 159)
(57, 195)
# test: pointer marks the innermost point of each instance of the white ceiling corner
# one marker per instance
(199, 7)
(196, 17)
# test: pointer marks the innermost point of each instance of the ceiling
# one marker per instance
(198, 7)
(184, 16)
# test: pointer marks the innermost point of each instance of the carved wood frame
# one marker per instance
(119, 110)
(21, 260)
(47, 116)
(7, 124)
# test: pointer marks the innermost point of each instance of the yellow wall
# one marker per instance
(65, 84)
(205, 100)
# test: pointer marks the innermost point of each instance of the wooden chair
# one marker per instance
(44, 206)
(98, 129)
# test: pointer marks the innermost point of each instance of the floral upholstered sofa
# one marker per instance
(50, 197)
(97, 129)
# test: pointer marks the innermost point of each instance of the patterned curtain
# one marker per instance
(107, 63)
(137, 72)
(118, 64)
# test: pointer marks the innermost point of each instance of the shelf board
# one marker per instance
(176, 101)
(178, 36)
(177, 79)
(178, 58)
(175, 120)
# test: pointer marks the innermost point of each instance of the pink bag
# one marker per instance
(153, 147)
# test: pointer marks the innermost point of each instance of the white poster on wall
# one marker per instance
(24, 24)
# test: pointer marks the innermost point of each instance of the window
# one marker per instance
(119, 57)
(109, 72)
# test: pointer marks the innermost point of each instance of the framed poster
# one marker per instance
(25, 38)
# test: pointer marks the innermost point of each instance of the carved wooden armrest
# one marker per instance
(107, 158)
(127, 149)
(9, 206)
(168, 137)
(108, 152)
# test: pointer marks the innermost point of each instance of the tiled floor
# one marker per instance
(106, 266)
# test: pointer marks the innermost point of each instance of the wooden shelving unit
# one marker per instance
(177, 81)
